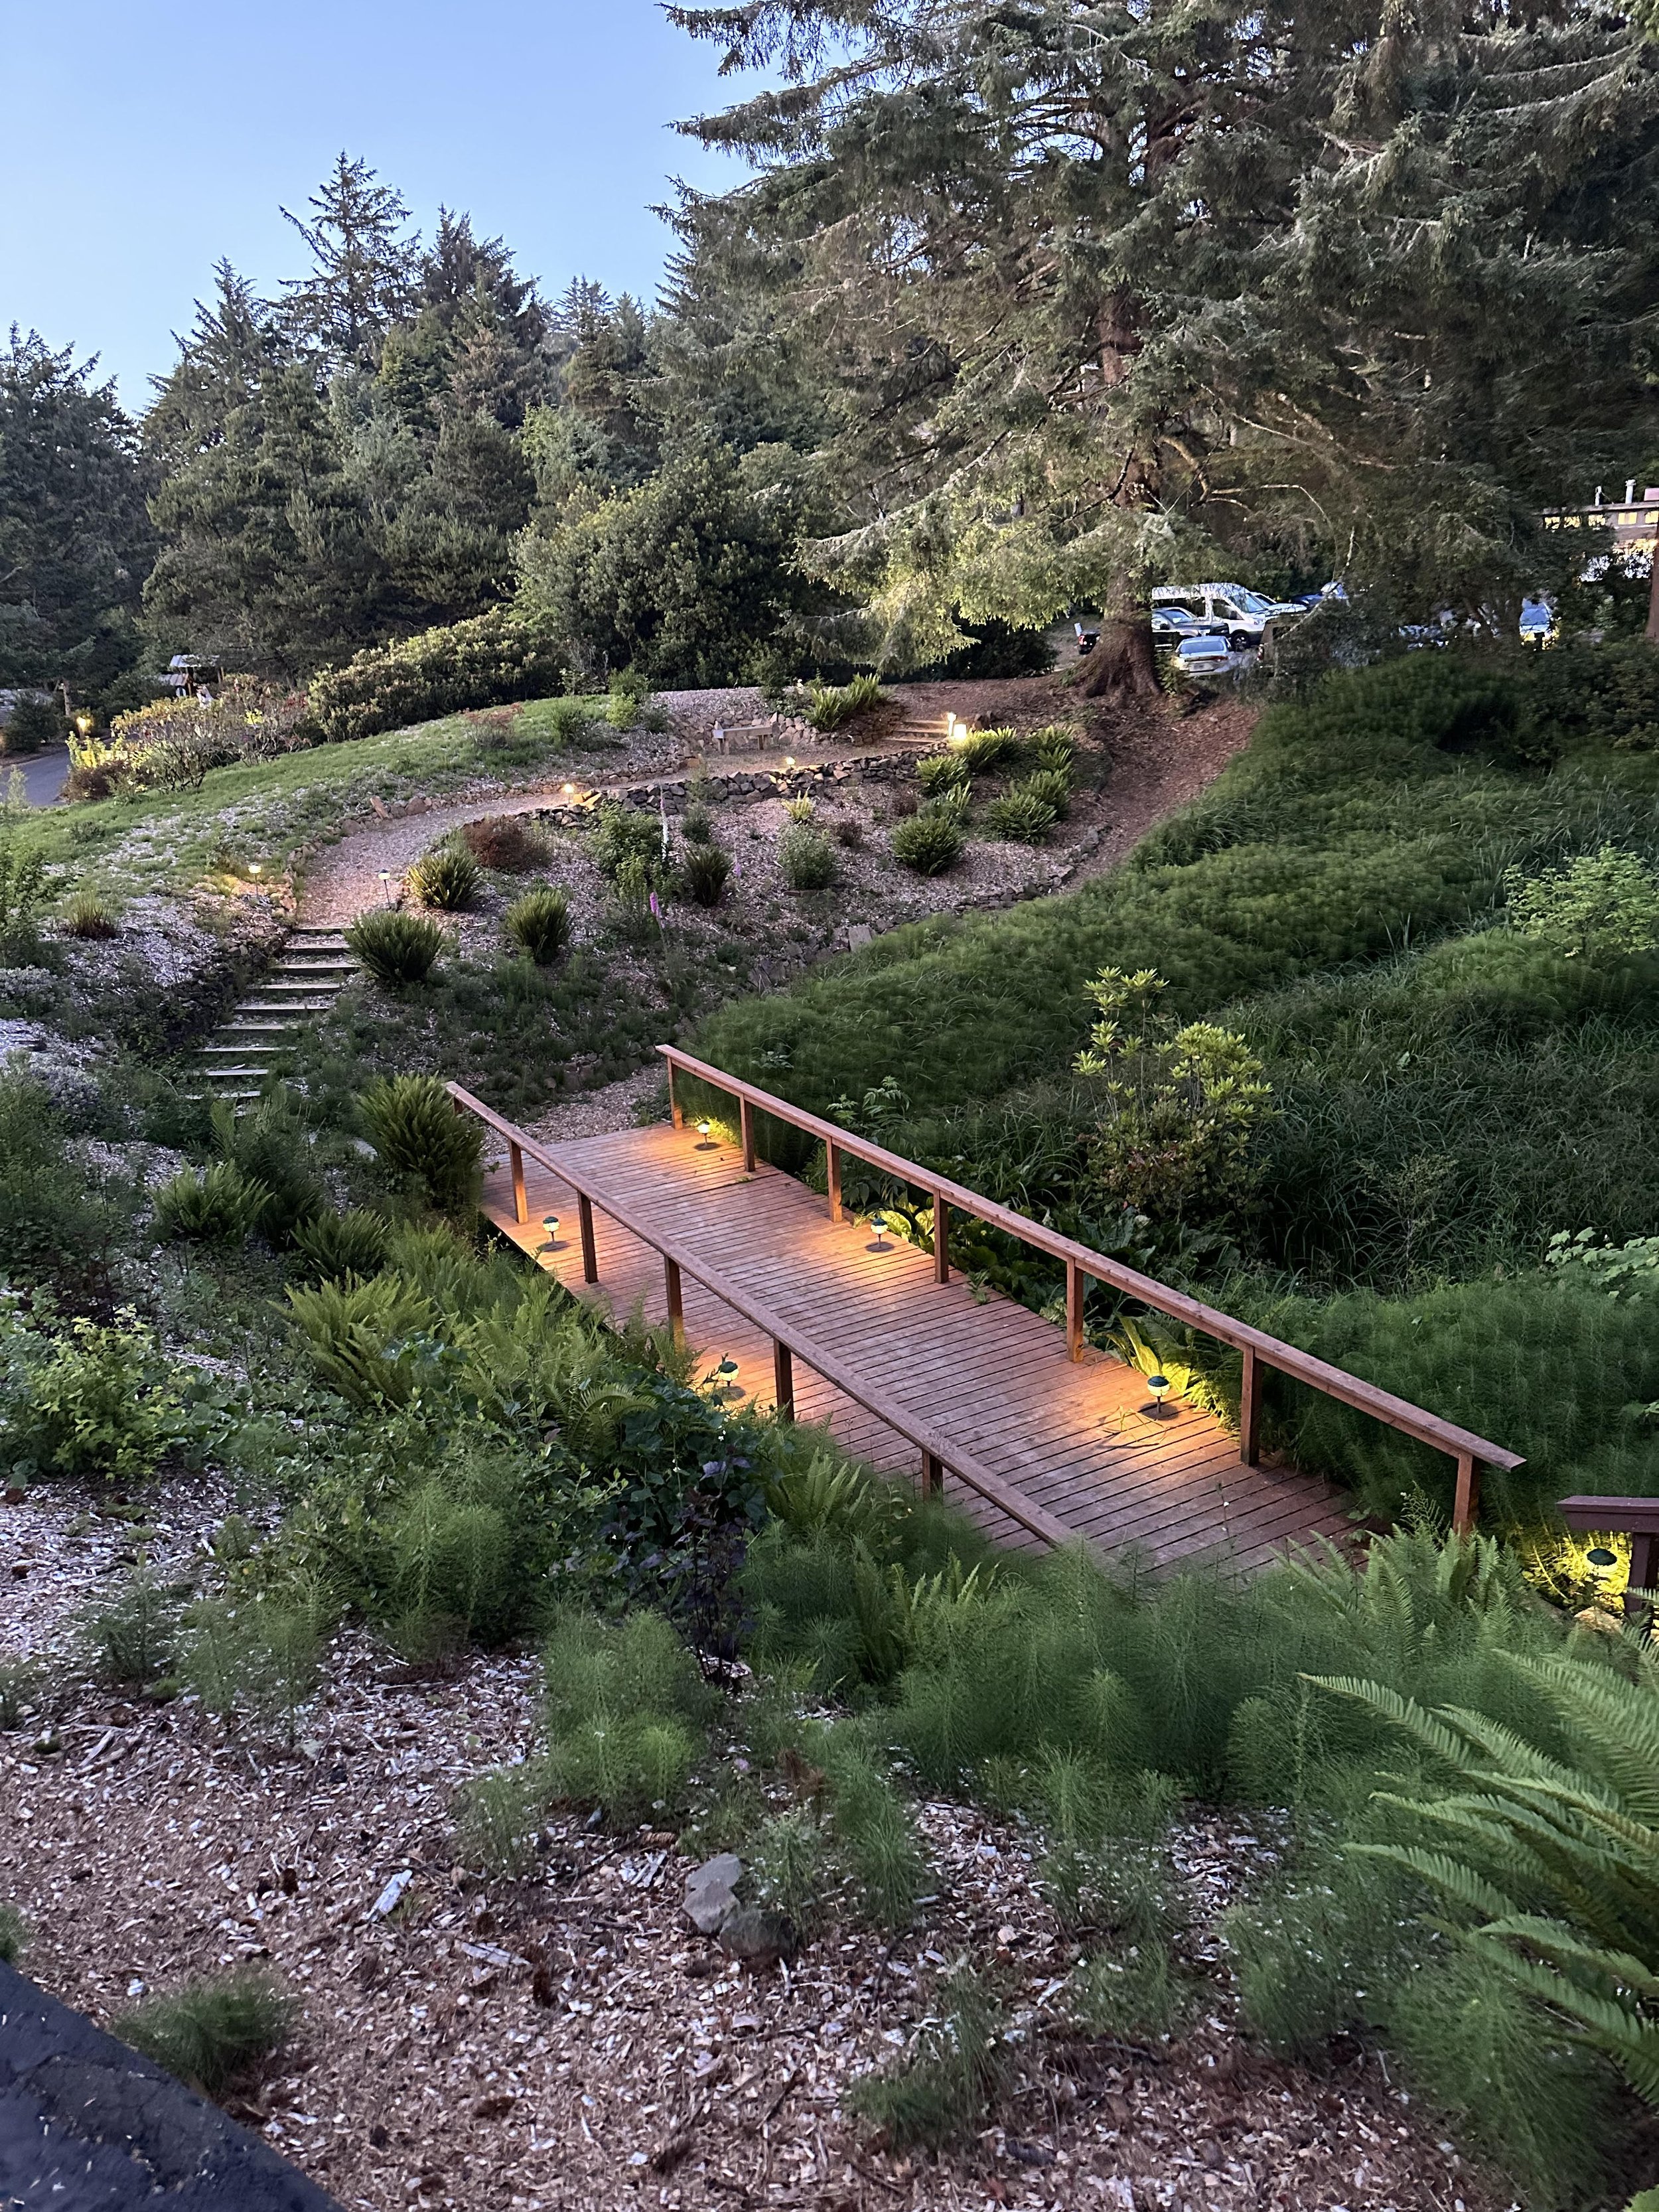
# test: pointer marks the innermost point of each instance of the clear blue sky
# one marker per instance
(145, 138)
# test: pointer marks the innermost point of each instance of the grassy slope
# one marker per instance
(268, 810)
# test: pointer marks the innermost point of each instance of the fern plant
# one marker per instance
(359, 1335)
(1549, 1864)
(335, 1245)
(220, 1205)
(539, 924)
(1022, 816)
(431, 1150)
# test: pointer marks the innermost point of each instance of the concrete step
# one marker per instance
(261, 1029)
(229, 1075)
(308, 988)
(290, 967)
(244, 1051)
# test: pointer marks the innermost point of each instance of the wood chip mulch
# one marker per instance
(565, 2040)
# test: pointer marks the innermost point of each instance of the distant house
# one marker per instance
(1634, 522)
(188, 672)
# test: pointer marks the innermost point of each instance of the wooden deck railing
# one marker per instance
(1257, 1349)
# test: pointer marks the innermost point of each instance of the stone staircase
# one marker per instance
(313, 967)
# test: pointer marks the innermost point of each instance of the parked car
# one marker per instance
(1242, 614)
(1205, 652)
(1177, 623)
(1537, 621)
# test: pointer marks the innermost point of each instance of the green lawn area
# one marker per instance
(269, 811)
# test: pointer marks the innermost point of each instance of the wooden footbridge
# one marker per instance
(1044, 1439)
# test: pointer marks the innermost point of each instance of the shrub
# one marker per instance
(1599, 905)
(13, 1934)
(253, 1656)
(630, 693)
(830, 706)
(498, 656)
(1052, 785)
(1022, 815)
(446, 878)
(627, 834)
(362, 1336)
(539, 924)
(930, 843)
(432, 1152)
(210, 2032)
(396, 948)
(800, 809)
(19, 1684)
(33, 725)
(220, 1205)
(335, 1245)
(704, 873)
(24, 889)
(697, 826)
(806, 859)
(937, 773)
(93, 1398)
(848, 830)
(1141, 1994)
(86, 916)
(505, 843)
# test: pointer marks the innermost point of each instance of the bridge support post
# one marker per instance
(941, 1241)
(1074, 1311)
(1249, 1412)
(1467, 1503)
(783, 1380)
(746, 1122)
(676, 1111)
(933, 1476)
(590, 1256)
(832, 1172)
(671, 1269)
(521, 1204)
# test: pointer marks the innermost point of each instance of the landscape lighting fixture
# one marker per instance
(385, 885)
(1601, 1562)
(958, 733)
(1160, 1386)
(879, 1223)
(253, 868)
(707, 1143)
(550, 1222)
(725, 1387)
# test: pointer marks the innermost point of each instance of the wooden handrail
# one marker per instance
(1470, 1451)
(935, 1448)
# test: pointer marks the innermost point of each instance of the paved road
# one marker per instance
(44, 775)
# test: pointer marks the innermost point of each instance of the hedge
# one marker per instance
(490, 660)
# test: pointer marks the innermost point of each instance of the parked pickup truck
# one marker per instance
(1243, 614)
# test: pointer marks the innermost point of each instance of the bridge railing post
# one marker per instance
(590, 1255)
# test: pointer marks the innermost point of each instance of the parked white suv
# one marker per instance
(1242, 613)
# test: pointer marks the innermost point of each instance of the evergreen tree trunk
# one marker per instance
(1652, 631)
(1122, 666)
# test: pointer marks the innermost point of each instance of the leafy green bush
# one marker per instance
(1599, 905)
(448, 877)
(705, 870)
(539, 924)
(930, 843)
(33, 725)
(432, 1152)
(1052, 787)
(210, 2032)
(54, 1228)
(396, 948)
(831, 706)
(335, 1245)
(806, 859)
(1022, 816)
(1054, 750)
(503, 655)
(219, 1205)
(87, 1398)
(270, 1147)
(363, 1336)
(623, 835)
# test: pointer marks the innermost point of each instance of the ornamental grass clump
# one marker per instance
(626, 1713)
(88, 918)
(538, 923)
(210, 2032)
(446, 878)
(1022, 815)
(930, 842)
(705, 871)
(831, 706)
(948, 2083)
(396, 949)
(937, 773)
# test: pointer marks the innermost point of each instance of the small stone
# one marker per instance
(393, 1894)
(711, 1891)
(759, 1938)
